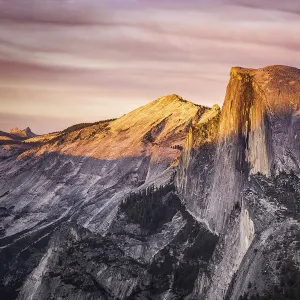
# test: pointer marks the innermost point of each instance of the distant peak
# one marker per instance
(26, 133)
(16, 129)
(27, 129)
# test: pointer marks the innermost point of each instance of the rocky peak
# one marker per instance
(169, 99)
(24, 133)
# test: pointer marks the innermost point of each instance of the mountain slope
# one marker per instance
(101, 159)
(83, 175)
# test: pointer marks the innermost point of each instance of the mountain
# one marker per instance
(16, 136)
(84, 173)
(15, 141)
(25, 133)
(171, 201)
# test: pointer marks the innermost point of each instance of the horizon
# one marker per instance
(64, 63)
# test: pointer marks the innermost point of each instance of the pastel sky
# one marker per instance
(64, 62)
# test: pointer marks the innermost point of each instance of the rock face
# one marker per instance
(258, 134)
(171, 201)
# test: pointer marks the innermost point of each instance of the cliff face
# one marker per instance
(270, 117)
(195, 172)
(171, 201)
(257, 134)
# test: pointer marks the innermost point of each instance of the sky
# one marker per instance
(64, 62)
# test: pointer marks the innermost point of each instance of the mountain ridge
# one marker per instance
(24, 133)
(161, 114)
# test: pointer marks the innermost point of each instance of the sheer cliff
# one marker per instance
(171, 201)
(257, 135)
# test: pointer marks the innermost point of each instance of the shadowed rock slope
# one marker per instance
(171, 201)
